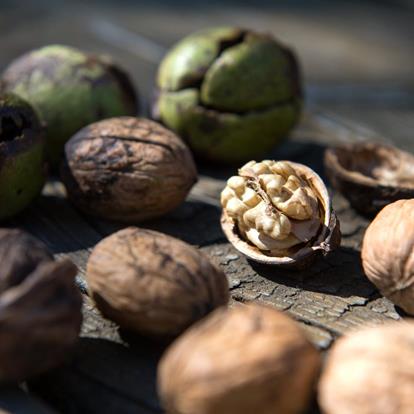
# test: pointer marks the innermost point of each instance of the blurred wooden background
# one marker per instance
(358, 64)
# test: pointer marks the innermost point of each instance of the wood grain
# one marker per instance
(358, 64)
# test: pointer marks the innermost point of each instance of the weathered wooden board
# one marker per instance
(357, 74)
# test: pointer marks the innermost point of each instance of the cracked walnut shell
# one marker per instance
(243, 360)
(370, 175)
(388, 253)
(278, 212)
(40, 307)
(152, 283)
(370, 372)
(127, 169)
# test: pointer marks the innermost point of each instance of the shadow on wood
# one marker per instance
(339, 274)
(103, 377)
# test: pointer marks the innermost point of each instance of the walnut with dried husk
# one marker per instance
(279, 212)
(388, 253)
(152, 283)
(370, 372)
(243, 360)
(127, 169)
(40, 307)
(370, 175)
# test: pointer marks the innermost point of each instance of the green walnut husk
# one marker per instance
(22, 155)
(69, 89)
(232, 94)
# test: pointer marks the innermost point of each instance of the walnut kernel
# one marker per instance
(279, 213)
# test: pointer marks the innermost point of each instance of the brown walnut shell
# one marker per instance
(327, 239)
(127, 169)
(370, 372)
(152, 283)
(243, 360)
(370, 175)
(388, 253)
(40, 307)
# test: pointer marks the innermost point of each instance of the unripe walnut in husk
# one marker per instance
(232, 93)
(370, 372)
(69, 89)
(127, 169)
(152, 283)
(40, 307)
(22, 158)
(388, 253)
(244, 360)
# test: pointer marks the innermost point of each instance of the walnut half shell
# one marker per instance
(370, 175)
(279, 213)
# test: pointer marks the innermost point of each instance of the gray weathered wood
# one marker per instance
(359, 84)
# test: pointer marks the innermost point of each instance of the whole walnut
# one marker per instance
(127, 169)
(388, 253)
(152, 283)
(370, 372)
(40, 307)
(244, 360)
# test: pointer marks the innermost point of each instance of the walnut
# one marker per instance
(152, 283)
(388, 253)
(127, 169)
(40, 307)
(278, 212)
(370, 175)
(243, 360)
(370, 372)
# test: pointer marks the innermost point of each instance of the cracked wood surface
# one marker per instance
(368, 99)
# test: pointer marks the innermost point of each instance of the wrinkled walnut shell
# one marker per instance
(327, 239)
(370, 175)
(152, 283)
(388, 253)
(244, 360)
(370, 372)
(127, 169)
(40, 307)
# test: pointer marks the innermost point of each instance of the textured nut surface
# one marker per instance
(231, 93)
(388, 253)
(370, 175)
(127, 169)
(370, 372)
(69, 89)
(153, 283)
(274, 207)
(22, 160)
(40, 307)
(248, 359)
